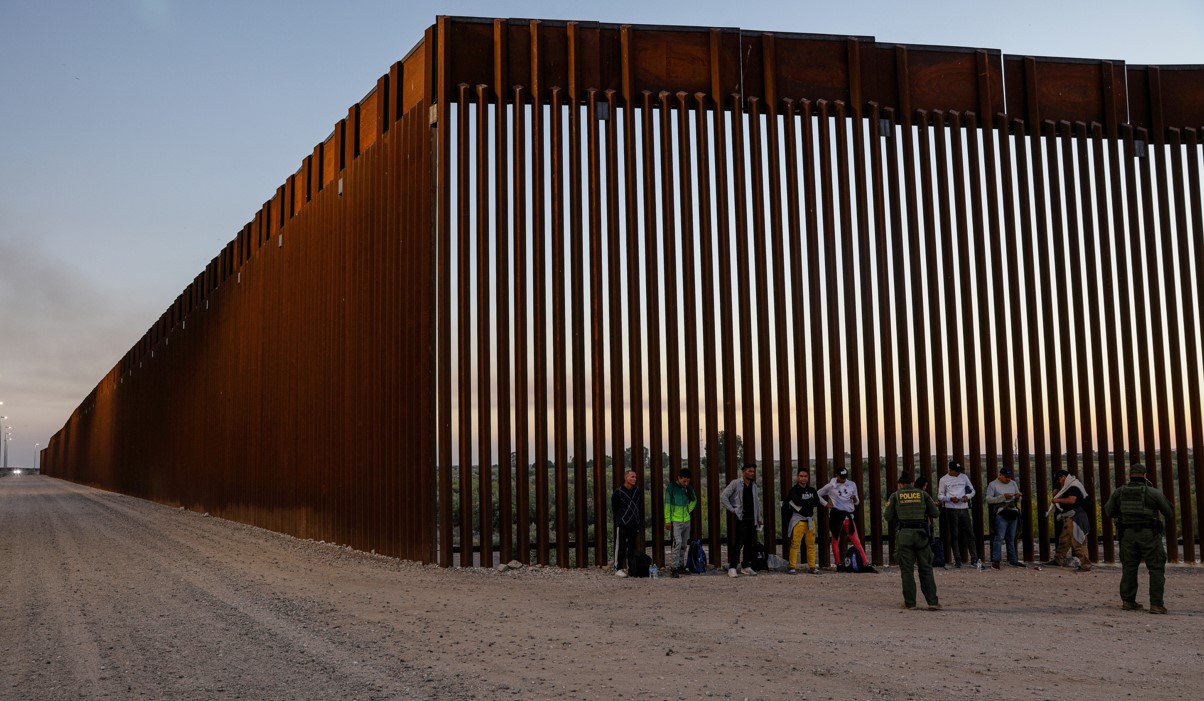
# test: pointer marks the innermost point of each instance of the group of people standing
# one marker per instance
(1136, 507)
(910, 510)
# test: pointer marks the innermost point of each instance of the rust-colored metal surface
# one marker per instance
(538, 254)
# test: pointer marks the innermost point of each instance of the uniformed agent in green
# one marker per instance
(908, 510)
(1135, 507)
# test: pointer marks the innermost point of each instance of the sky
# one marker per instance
(138, 136)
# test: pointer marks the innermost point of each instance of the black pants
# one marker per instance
(743, 537)
(961, 534)
(625, 545)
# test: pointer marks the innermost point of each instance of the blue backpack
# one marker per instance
(696, 558)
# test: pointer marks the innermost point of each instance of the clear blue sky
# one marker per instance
(138, 136)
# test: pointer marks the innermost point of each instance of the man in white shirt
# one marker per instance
(955, 492)
(840, 496)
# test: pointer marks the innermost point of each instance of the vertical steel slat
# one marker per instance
(970, 315)
(798, 300)
(559, 342)
(652, 296)
(726, 324)
(1073, 157)
(632, 188)
(1138, 394)
(780, 326)
(501, 312)
(577, 302)
(764, 347)
(464, 319)
(986, 236)
(635, 177)
(1062, 226)
(632, 184)
(898, 243)
(890, 452)
(819, 371)
(743, 284)
(954, 233)
(1042, 313)
(922, 237)
(918, 424)
(485, 430)
(781, 366)
(522, 459)
(848, 291)
(931, 381)
(832, 330)
(614, 269)
(819, 364)
(539, 276)
(994, 369)
(1107, 394)
(706, 236)
(1033, 481)
(1129, 447)
(1137, 178)
(868, 286)
(597, 297)
(950, 376)
(672, 346)
(689, 289)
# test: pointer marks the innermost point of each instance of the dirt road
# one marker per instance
(105, 596)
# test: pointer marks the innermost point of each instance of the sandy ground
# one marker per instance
(105, 596)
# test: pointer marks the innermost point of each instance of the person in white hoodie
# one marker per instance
(955, 492)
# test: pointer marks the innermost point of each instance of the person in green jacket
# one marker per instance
(680, 501)
(909, 509)
(1136, 506)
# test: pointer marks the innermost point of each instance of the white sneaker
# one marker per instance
(748, 572)
(731, 572)
(814, 570)
(620, 573)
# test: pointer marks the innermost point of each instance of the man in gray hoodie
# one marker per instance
(742, 499)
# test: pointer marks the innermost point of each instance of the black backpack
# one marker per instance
(938, 552)
(638, 565)
(853, 563)
(760, 557)
(696, 558)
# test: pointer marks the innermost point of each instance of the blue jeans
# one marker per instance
(1003, 529)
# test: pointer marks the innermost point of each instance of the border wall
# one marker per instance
(538, 254)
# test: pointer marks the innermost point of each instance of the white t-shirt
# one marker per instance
(843, 496)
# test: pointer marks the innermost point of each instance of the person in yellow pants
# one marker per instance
(798, 513)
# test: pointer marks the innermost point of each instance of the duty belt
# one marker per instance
(1147, 526)
(913, 524)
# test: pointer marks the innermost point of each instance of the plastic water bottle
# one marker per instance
(653, 573)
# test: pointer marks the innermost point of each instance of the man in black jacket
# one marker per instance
(798, 516)
(627, 507)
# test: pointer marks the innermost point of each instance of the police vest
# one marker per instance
(910, 504)
(1134, 507)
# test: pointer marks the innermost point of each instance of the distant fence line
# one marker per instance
(844, 252)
